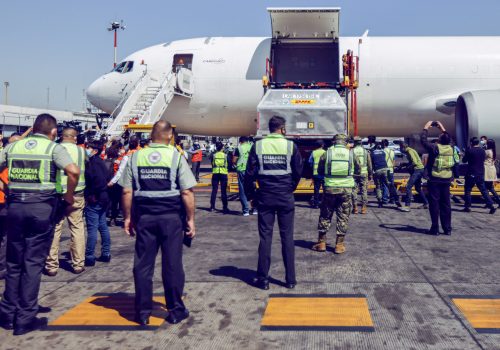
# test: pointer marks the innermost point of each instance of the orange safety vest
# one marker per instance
(4, 177)
(197, 157)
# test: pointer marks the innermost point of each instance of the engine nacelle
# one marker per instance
(477, 113)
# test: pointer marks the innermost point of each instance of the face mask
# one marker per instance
(483, 143)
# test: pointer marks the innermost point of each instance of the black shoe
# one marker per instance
(261, 283)
(493, 210)
(175, 317)
(290, 285)
(447, 232)
(142, 321)
(380, 204)
(225, 211)
(466, 210)
(89, 262)
(212, 209)
(433, 232)
(44, 309)
(35, 324)
(104, 258)
(5, 323)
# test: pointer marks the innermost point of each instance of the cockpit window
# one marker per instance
(124, 67)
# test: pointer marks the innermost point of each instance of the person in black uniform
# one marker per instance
(157, 185)
(33, 163)
(276, 164)
(442, 168)
(475, 157)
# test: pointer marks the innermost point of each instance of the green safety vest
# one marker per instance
(389, 158)
(154, 171)
(219, 163)
(339, 167)
(31, 168)
(361, 160)
(274, 154)
(414, 158)
(317, 153)
(78, 156)
(444, 162)
(243, 152)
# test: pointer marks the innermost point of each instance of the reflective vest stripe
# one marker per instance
(389, 158)
(243, 152)
(444, 162)
(77, 155)
(174, 165)
(274, 146)
(217, 167)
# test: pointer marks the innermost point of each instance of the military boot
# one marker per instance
(364, 209)
(321, 245)
(339, 244)
(355, 209)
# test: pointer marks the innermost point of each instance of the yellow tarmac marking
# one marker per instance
(481, 313)
(110, 310)
(341, 312)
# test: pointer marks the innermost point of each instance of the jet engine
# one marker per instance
(477, 113)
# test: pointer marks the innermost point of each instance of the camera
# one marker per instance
(435, 124)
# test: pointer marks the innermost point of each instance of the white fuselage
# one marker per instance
(404, 81)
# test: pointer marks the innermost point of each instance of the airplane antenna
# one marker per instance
(114, 27)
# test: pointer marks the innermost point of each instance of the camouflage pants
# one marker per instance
(339, 203)
(361, 187)
(381, 178)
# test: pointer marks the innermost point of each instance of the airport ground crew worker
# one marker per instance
(475, 157)
(240, 159)
(33, 163)
(318, 180)
(337, 165)
(416, 169)
(363, 171)
(158, 203)
(196, 158)
(381, 175)
(72, 213)
(276, 164)
(4, 180)
(441, 167)
(219, 176)
(389, 158)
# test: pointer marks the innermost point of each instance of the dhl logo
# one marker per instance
(303, 102)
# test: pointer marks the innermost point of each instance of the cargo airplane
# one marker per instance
(403, 81)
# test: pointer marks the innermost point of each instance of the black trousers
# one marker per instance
(3, 241)
(284, 210)
(29, 236)
(216, 179)
(470, 182)
(319, 183)
(115, 196)
(196, 170)
(490, 186)
(439, 204)
(163, 231)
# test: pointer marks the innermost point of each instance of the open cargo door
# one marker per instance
(305, 23)
(304, 48)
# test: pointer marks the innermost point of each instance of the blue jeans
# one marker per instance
(241, 189)
(415, 180)
(385, 190)
(95, 216)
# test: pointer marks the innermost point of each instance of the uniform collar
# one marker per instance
(41, 135)
(158, 145)
(276, 136)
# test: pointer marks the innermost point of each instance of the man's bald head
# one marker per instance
(69, 135)
(162, 132)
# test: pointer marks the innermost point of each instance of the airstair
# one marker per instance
(148, 99)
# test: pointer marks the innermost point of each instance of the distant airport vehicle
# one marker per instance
(213, 85)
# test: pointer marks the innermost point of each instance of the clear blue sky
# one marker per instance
(64, 44)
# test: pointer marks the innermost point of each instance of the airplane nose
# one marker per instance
(94, 93)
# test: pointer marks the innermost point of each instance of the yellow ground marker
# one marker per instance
(317, 312)
(482, 312)
(108, 312)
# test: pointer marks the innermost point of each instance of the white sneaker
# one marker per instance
(254, 212)
(246, 214)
